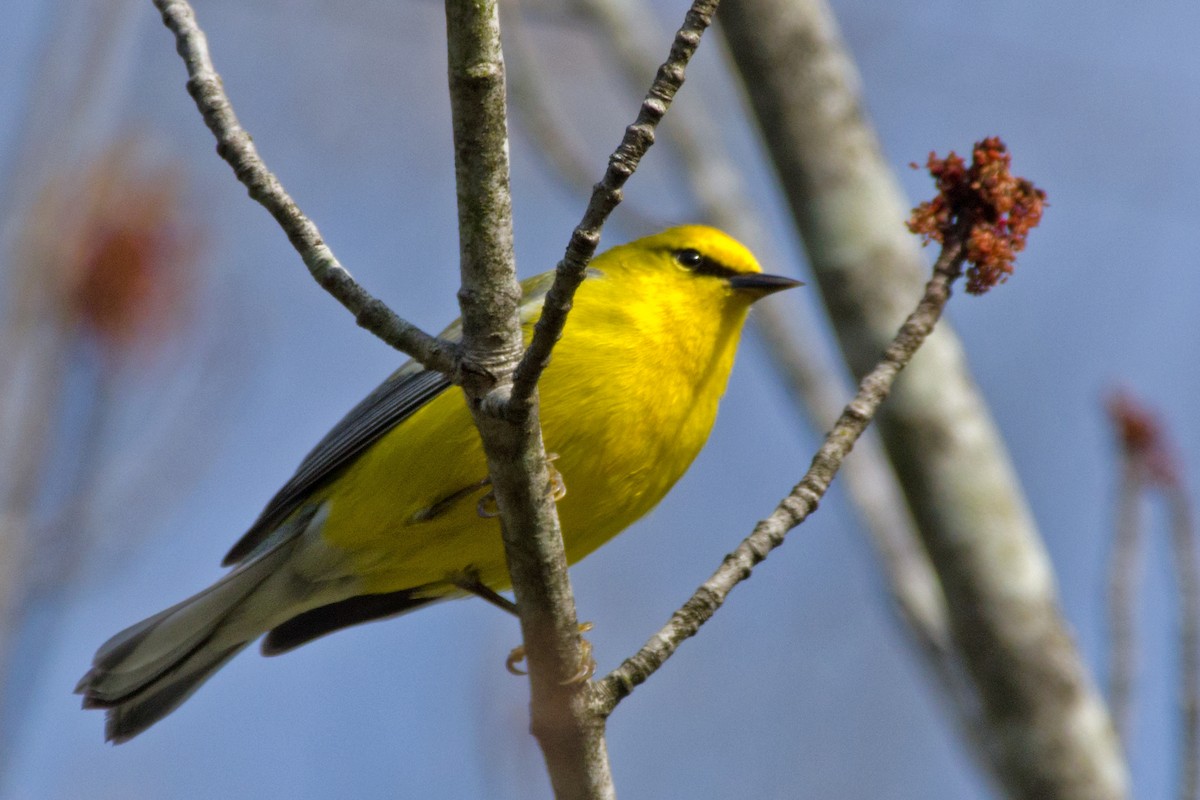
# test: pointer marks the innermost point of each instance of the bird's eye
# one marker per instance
(689, 258)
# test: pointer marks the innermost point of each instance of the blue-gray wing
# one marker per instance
(394, 401)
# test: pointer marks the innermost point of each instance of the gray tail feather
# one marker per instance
(129, 717)
(144, 672)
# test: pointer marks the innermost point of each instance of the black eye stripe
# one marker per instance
(701, 264)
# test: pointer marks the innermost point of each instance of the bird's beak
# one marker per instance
(760, 285)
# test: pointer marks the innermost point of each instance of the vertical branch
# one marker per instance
(505, 403)
(1187, 584)
(572, 740)
(1122, 590)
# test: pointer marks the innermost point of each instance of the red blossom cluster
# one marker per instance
(1141, 437)
(997, 208)
(127, 280)
(121, 247)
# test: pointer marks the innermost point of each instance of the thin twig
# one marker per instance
(607, 194)
(237, 148)
(912, 584)
(802, 500)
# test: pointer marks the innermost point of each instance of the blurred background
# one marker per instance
(165, 362)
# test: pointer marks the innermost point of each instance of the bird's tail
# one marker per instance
(144, 672)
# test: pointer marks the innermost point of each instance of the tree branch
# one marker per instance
(572, 741)
(236, 147)
(571, 737)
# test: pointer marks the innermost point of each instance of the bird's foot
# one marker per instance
(587, 663)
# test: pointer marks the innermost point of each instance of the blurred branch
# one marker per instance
(1052, 733)
(63, 544)
(74, 80)
(542, 117)
(1147, 463)
(1187, 581)
(533, 106)
(25, 450)
(237, 148)
(1122, 589)
(804, 497)
(102, 276)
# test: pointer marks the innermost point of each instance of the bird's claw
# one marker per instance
(587, 663)
(558, 487)
(515, 656)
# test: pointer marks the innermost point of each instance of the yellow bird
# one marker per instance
(392, 511)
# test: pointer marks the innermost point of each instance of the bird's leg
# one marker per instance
(468, 580)
(557, 487)
(487, 507)
(448, 502)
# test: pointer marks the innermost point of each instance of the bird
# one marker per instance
(392, 510)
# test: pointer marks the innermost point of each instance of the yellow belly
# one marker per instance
(618, 454)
